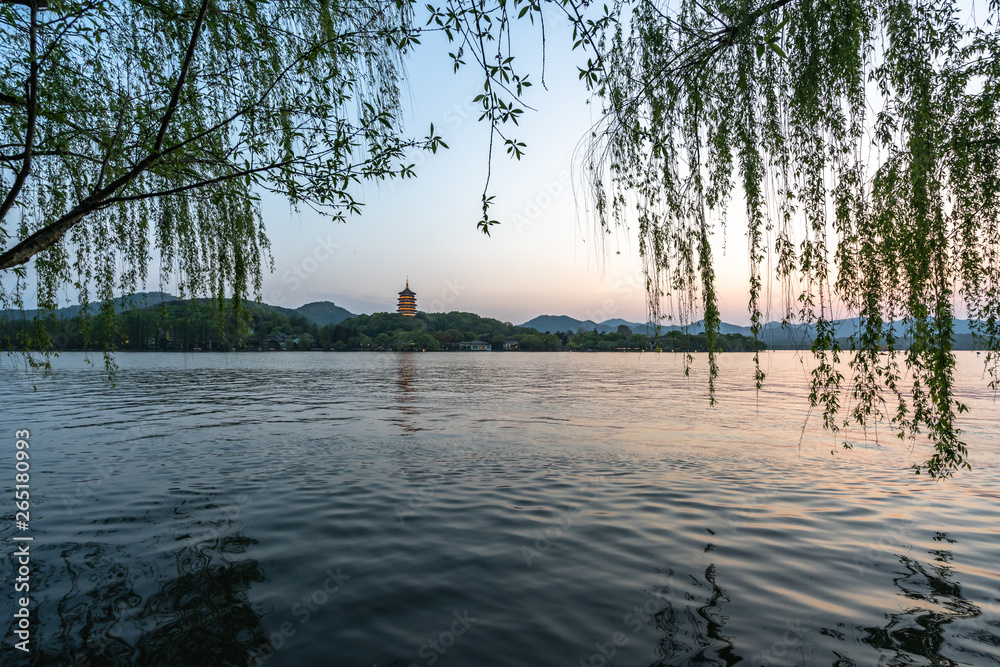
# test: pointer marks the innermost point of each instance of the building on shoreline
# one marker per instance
(407, 301)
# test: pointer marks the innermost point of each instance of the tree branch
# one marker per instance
(29, 133)
(267, 91)
(176, 94)
(34, 5)
(763, 9)
(103, 196)
(303, 160)
(111, 148)
(43, 153)
(10, 100)
(200, 184)
(46, 236)
(71, 21)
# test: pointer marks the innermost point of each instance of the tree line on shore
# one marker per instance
(202, 324)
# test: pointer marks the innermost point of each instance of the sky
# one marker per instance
(545, 258)
(542, 259)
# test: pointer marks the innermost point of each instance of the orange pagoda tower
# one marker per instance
(407, 301)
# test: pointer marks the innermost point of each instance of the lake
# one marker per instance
(486, 509)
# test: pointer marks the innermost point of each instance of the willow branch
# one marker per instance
(111, 147)
(10, 100)
(242, 173)
(29, 134)
(66, 28)
(46, 236)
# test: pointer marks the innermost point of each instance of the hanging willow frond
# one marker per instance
(887, 215)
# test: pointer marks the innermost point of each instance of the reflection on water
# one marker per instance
(692, 631)
(562, 509)
(692, 616)
(922, 628)
(115, 607)
(404, 400)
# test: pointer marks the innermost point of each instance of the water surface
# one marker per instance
(488, 509)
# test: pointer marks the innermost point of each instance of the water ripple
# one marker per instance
(508, 509)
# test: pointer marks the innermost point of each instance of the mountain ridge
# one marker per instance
(319, 313)
(322, 313)
(796, 336)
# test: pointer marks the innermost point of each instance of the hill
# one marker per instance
(319, 313)
(327, 323)
(139, 300)
(790, 337)
(554, 323)
(568, 324)
(322, 313)
(434, 331)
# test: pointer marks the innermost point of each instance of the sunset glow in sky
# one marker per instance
(545, 258)
(541, 259)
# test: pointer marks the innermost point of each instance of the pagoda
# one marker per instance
(407, 301)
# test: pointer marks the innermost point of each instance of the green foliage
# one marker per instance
(305, 342)
(863, 139)
(176, 325)
(539, 342)
(672, 341)
(132, 125)
(678, 341)
(427, 331)
(592, 340)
